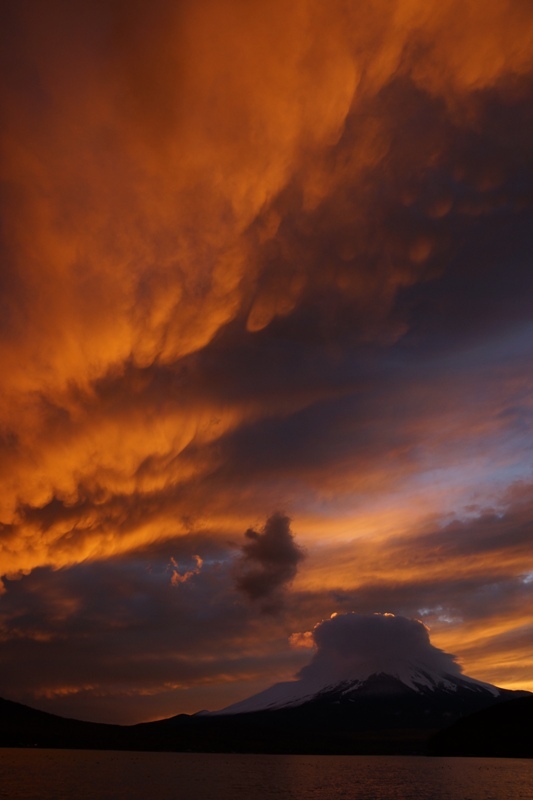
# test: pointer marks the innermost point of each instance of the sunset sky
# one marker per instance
(266, 339)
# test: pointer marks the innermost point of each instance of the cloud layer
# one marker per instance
(260, 257)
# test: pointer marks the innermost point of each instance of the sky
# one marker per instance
(266, 330)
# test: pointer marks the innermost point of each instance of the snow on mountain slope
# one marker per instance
(367, 654)
(415, 678)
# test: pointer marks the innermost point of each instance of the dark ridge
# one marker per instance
(22, 726)
(503, 731)
(382, 716)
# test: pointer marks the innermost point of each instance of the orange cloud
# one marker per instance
(178, 577)
(260, 256)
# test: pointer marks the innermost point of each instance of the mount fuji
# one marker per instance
(382, 680)
(378, 664)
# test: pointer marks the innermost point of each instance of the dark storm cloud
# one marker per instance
(268, 562)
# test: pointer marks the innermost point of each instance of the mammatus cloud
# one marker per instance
(269, 562)
(173, 192)
(261, 255)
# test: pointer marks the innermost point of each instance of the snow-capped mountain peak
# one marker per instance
(369, 679)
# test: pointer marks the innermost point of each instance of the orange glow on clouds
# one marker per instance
(248, 266)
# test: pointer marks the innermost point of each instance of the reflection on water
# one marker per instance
(84, 775)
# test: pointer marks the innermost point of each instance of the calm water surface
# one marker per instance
(83, 774)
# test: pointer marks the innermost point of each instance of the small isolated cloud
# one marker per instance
(178, 577)
(268, 562)
(358, 645)
(304, 640)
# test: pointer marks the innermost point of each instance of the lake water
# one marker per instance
(106, 775)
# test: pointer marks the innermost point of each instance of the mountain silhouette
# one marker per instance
(383, 715)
